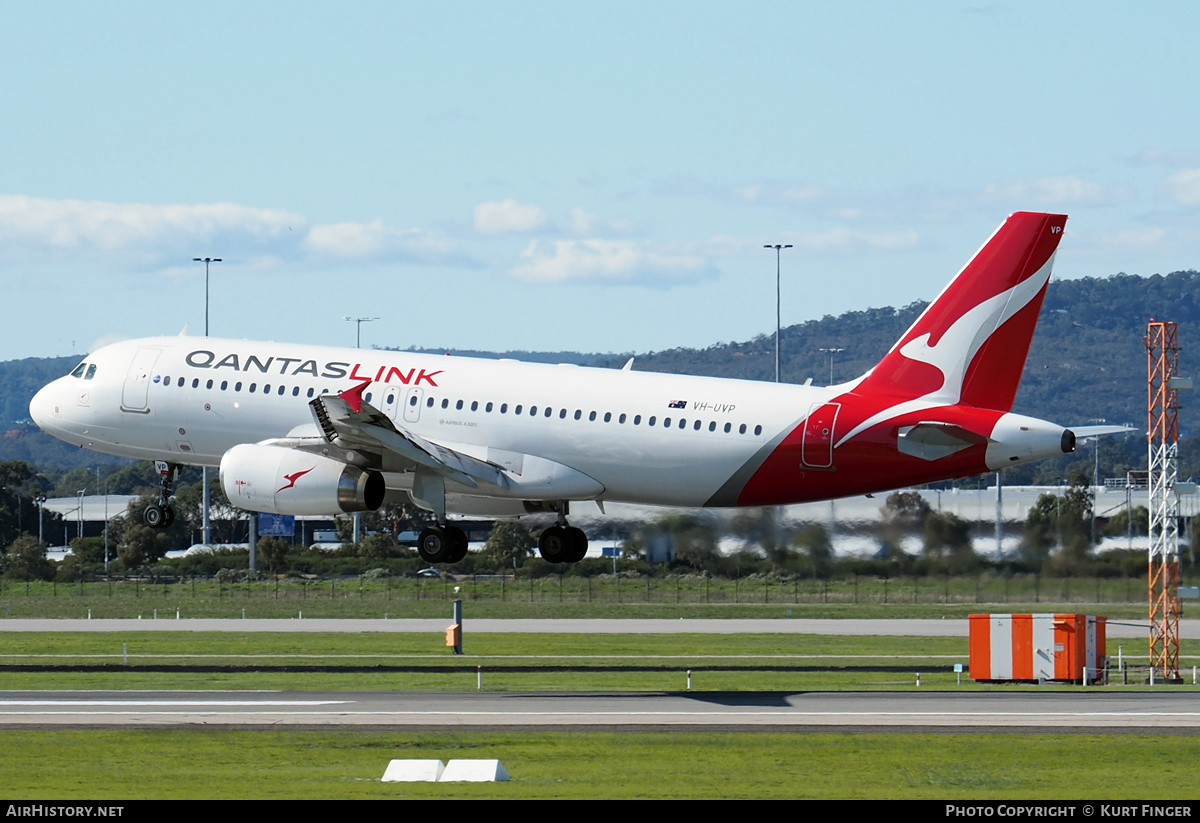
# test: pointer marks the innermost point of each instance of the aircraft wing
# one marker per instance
(348, 422)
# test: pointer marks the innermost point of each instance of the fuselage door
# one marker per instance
(134, 396)
(817, 447)
(412, 405)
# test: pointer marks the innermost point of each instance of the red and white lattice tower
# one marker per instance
(1162, 361)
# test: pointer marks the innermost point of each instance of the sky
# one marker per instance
(589, 176)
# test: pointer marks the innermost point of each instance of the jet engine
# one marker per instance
(281, 480)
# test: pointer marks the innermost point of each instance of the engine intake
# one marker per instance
(280, 480)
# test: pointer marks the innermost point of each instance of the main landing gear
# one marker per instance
(160, 515)
(562, 543)
(442, 544)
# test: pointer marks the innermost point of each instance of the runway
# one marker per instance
(1077, 711)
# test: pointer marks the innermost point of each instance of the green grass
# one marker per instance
(575, 597)
(101, 765)
(373, 661)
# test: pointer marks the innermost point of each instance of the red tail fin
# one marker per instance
(970, 344)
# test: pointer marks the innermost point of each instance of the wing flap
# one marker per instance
(360, 426)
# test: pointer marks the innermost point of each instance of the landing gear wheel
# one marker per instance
(553, 545)
(434, 545)
(458, 544)
(170, 517)
(577, 543)
(155, 516)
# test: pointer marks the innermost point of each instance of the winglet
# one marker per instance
(354, 396)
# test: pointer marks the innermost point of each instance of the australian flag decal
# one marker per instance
(677, 404)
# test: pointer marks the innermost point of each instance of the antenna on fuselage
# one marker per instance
(628, 365)
(184, 330)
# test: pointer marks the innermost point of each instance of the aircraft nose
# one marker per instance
(44, 408)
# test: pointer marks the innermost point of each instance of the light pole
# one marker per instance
(358, 321)
(831, 352)
(206, 531)
(79, 513)
(206, 261)
(778, 248)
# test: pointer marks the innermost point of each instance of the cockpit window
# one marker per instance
(91, 372)
(79, 370)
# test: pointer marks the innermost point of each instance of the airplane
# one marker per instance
(308, 430)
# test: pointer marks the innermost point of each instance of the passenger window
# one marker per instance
(696, 426)
(458, 406)
(637, 420)
(742, 429)
(578, 414)
(474, 405)
(533, 411)
(591, 416)
(445, 403)
(608, 417)
(488, 407)
(650, 422)
(682, 423)
(504, 408)
(266, 388)
(237, 386)
(224, 385)
(728, 426)
(562, 414)
(517, 410)
(666, 422)
(549, 411)
(757, 430)
(209, 385)
(166, 381)
(195, 382)
(712, 426)
(296, 391)
(310, 392)
(252, 387)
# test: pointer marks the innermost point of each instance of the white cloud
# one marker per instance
(1184, 187)
(1054, 191)
(606, 260)
(374, 239)
(497, 216)
(31, 225)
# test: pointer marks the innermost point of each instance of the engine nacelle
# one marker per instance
(1017, 439)
(280, 480)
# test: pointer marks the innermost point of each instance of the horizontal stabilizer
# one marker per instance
(1097, 431)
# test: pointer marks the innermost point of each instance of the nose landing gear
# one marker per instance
(161, 514)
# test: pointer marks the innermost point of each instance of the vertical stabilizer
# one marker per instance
(969, 346)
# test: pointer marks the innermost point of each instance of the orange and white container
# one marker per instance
(1037, 647)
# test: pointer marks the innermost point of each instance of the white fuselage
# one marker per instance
(643, 437)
